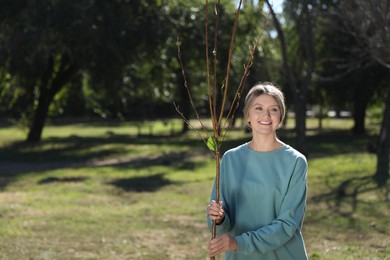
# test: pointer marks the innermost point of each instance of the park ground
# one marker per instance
(111, 190)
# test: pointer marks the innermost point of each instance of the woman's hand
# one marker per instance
(215, 211)
(221, 244)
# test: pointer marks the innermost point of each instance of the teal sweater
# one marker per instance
(264, 199)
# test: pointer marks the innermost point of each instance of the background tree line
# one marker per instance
(118, 59)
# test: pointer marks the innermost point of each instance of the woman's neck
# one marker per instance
(261, 144)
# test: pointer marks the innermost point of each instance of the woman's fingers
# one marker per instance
(215, 247)
(215, 210)
(220, 244)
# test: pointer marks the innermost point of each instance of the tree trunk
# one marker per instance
(306, 41)
(35, 132)
(184, 103)
(300, 123)
(382, 168)
(49, 87)
(298, 90)
(320, 110)
(359, 116)
(360, 103)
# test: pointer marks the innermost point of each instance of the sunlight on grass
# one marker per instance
(102, 191)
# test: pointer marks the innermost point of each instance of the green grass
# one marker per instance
(107, 191)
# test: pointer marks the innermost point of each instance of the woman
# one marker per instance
(263, 188)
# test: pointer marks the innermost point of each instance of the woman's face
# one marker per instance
(264, 115)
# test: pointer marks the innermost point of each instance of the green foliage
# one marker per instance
(46, 45)
(118, 59)
(211, 144)
(375, 112)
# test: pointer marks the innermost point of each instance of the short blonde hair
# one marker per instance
(267, 88)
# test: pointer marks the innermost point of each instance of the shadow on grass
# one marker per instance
(174, 160)
(49, 180)
(142, 184)
(329, 143)
(344, 199)
(74, 151)
(75, 148)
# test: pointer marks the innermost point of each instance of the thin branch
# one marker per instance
(192, 127)
(229, 62)
(186, 86)
(213, 93)
(215, 123)
(237, 96)
(208, 64)
(236, 100)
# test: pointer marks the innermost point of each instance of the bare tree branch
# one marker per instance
(212, 90)
(369, 22)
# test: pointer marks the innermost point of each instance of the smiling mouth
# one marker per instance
(265, 123)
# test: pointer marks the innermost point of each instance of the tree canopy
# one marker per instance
(119, 58)
(46, 45)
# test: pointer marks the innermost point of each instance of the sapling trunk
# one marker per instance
(219, 122)
(217, 184)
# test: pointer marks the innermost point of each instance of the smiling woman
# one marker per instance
(264, 115)
(263, 188)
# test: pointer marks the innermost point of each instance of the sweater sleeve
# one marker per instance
(288, 220)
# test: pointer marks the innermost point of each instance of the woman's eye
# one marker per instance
(274, 110)
(259, 108)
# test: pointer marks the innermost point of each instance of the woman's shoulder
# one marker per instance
(291, 151)
(294, 156)
(236, 150)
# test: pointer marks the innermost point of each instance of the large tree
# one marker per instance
(346, 76)
(298, 68)
(369, 22)
(47, 44)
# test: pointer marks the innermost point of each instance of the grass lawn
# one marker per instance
(110, 191)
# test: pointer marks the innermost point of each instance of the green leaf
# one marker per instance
(211, 144)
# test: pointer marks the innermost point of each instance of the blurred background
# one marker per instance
(95, 159)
